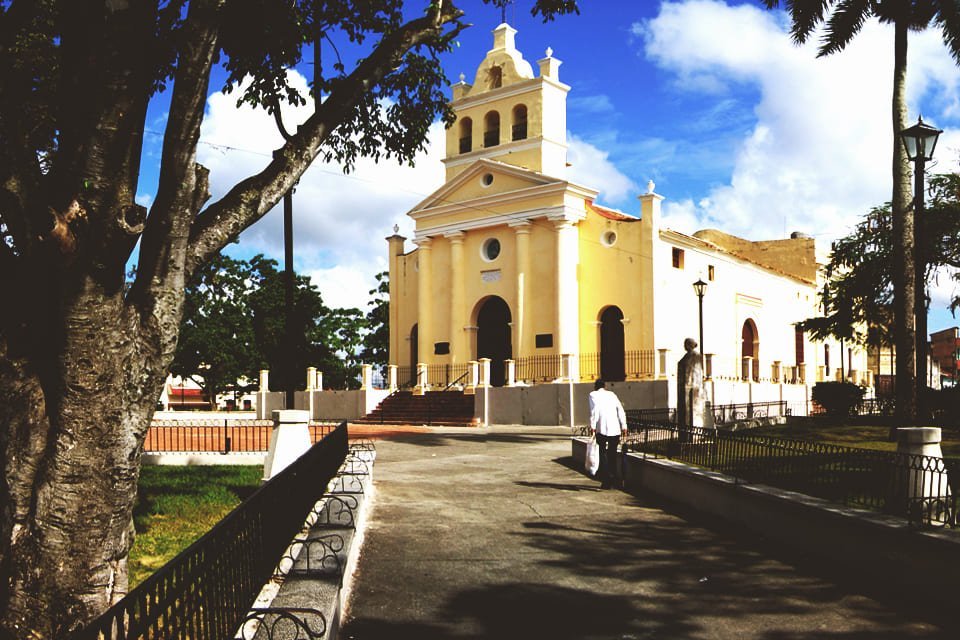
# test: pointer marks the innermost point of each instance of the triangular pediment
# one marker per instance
(484, 179)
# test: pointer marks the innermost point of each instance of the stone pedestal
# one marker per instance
(290, 440)
(366, 377)
(511, 373)
(926, 477)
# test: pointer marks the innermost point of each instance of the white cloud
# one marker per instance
(591, 167)
(818, 156)
(340, 221)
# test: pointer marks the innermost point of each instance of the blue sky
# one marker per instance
(740, 130)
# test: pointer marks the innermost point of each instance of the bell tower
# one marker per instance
(509, 115)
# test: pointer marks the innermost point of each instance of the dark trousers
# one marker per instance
(607, 473)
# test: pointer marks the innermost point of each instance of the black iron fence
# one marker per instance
(441, 375)
(545, 368)
(922, 489)
(219, 436)
(206, 592)
(406, 377)
(730, 413)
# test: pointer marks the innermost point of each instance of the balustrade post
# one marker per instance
(776, 372)
(802, 373)
(484, 372)
(262, 394)
(746, 372)
(511, 373)
(289, 440)
(392, 377)
(422, 382)
(662, 363)
(474, 377)
(366, 377)
(708, 366)
(311, 378)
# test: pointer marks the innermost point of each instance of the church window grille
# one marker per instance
(491, 130)
(520, 122)
(466, 135)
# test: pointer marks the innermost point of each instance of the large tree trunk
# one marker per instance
(71, 434)
(903, 242)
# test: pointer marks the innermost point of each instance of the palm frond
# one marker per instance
(845, 22)
(807, 15)
(948, 17)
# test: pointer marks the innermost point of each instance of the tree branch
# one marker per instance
(183, 184)
(252, 198)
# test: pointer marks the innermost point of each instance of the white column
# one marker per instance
(319, 385)
(567, 254)
(662, 363)
(708, 366)
(311, 378)
(290, 440)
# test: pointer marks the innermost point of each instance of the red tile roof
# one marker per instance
(610, 214)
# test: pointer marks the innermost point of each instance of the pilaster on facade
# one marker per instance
(567, 254)
(523, 327)
(425, 336)
(457, 336)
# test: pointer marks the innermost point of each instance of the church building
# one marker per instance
(515, 264)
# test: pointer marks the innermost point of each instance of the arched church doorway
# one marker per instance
(750, 348)
(414, 354)
(611, 345)
(493, 337)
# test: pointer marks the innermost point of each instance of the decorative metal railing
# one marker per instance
(730, 413)
(406, 377)
(545, 368)
(218, 436)
(638, 363)
(921, 489)
(207, 591)
(441, 375)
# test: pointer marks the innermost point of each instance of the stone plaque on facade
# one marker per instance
(490, 276)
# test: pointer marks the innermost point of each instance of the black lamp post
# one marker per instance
(700, 288)
(920, 140)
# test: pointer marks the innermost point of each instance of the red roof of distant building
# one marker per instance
(610, 214)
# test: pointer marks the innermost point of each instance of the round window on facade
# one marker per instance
(490, 249)
(608, 238)
(487, 179)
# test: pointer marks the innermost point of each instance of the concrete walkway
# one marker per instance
(488, 533)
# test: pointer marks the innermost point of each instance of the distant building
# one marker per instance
(945, 350)
(516, 263)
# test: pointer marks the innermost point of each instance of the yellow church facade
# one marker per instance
(519, 276)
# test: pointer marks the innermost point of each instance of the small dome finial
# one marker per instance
(650, 186)
(396, 228)
(463, 78)
(549, 52)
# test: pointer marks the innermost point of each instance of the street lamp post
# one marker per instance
(700, 288)
(920, 140)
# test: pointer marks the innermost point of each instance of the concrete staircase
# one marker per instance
(435, 408)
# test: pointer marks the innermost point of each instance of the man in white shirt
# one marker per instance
(609, 422)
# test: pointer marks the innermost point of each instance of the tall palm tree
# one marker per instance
(842, 20)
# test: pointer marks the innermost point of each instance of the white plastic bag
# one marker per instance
(592, 463)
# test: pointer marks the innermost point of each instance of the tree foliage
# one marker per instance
(216, 346)
(376, 344)
(83, 357)
(858, 294)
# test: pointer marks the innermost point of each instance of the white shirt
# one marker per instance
(606, 413)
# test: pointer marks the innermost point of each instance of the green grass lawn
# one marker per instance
(851, 435)
(177, 505)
